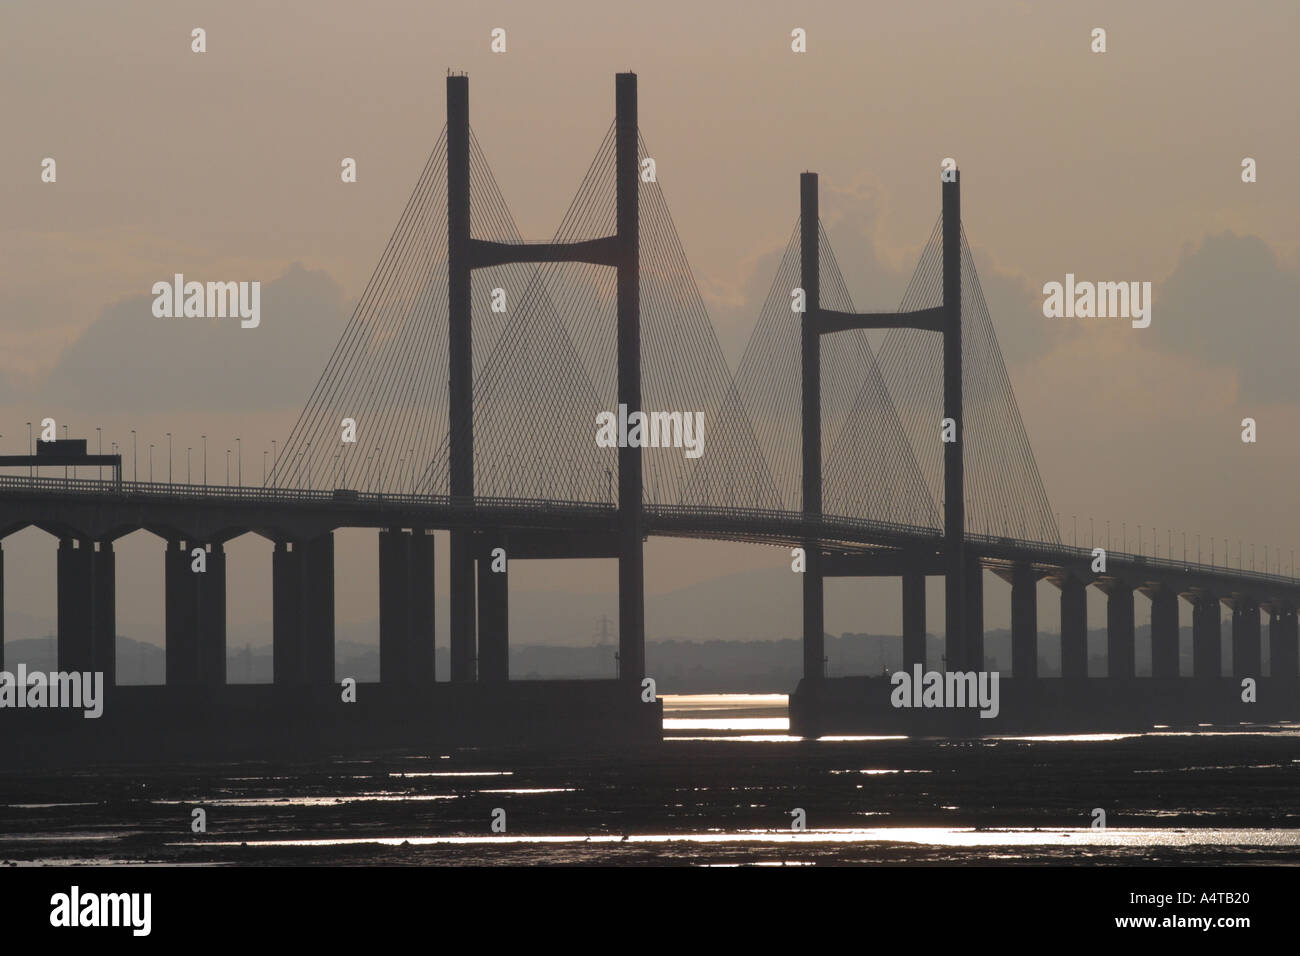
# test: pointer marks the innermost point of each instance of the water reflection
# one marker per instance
(925, 836)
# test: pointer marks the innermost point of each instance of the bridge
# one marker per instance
(463, 397)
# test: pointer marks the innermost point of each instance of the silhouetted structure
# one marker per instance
(866, 505)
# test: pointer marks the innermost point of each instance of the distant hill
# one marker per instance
(678, 666)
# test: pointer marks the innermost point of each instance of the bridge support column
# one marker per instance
(1283, 648)
(212, 618)
(814, 609)
(1121, 649)
(75, 606)
(1024, 622)
(1207, 636)
(394, 605)
(959, 647)
(181, 617)
(318, 609)
(104, 624)
(460, 368)
(493, 623)
(974, 625)
(1074, 627)
(420, 658)
(302, 585)
(1164, 632)
(1247, 654)
(195, 616)
(631, 562)
(814, 590)
(913, 620)
(2, 608)
(286, 605)
(464, 649)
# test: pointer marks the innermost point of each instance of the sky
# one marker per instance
(1115, 166)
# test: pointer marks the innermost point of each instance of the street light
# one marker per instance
(205, 460)
(134, 470)
(188, 449)
(29, 448)
(263, 467)
(227, 467)
(169, 458)
(151, 462)
(239, 462)
(99, 448)
(275, 463)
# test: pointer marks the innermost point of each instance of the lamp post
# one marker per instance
(188, 480)
(169, 458)
(134, 471)
(151, 462)
(205, 460)
(99, 448)
(239, 462)
(29, 448)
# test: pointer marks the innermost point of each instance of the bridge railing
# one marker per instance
(1054, 552)
(266, 494)
(826, 526)
(831, 522)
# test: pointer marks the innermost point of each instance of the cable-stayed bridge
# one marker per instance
(464, 395)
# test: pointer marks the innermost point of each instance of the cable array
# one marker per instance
(546, 366)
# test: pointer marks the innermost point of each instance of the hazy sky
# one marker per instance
(1117, 166)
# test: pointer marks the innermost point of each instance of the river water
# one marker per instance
(728, 785)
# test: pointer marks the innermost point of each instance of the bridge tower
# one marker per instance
(479, 648)
(964, 609)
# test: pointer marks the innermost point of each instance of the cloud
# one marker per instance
(1229, 301)
(129, 361)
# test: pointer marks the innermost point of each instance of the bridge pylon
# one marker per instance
(621, 251)
(964, 610)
